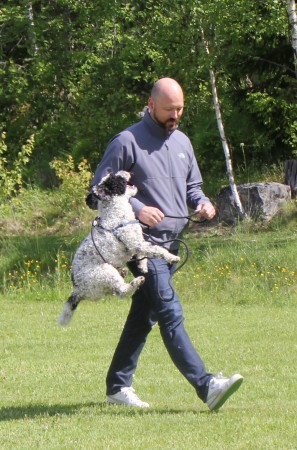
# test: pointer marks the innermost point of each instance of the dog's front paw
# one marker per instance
(138, 281)
(174, 259)
(142, 265)
(123, 272)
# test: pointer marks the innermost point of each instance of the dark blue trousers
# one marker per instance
(156, 302)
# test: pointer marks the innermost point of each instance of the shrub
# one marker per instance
(11, 175)
(74, 183)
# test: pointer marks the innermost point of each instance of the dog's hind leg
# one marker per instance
(118, 285)
(155, 251)
(68, 309)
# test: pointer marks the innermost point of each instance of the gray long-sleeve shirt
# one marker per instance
(163, 168)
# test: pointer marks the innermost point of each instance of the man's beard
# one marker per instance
(168, 125)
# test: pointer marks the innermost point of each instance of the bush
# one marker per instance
(11, 176)
(74, 184)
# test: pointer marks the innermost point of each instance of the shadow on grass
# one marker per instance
(31, 411)
(36, 410)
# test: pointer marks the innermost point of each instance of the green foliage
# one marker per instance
(74, 184)
(59, 210)
(11, 172)
(76, 73)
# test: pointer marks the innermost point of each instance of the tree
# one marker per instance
(233, 186)
(291, 8)
(74, 72)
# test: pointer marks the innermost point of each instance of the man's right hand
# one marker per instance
(150, 216)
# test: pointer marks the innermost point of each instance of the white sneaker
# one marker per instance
(126, 396)
(220, 389)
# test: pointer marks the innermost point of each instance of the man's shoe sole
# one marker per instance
(233, 388)
(112, 401)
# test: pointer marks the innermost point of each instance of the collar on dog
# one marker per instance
(96, 223)
(131, 222)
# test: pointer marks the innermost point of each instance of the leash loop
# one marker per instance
(96, 224)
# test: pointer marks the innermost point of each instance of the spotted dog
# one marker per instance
(115, 238)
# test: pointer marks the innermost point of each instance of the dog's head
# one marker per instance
(112, 185)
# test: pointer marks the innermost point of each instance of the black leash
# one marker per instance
(176, 270)
(96, 223)
(189, 218)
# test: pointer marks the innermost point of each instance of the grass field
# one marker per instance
(239, 292)
(52, 391)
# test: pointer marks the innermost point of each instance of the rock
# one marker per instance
(260, 201)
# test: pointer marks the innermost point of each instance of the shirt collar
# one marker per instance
(154, 127)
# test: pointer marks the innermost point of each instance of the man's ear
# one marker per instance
(151, 103)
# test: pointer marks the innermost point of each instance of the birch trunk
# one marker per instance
(233, 186)
(32, 28)
(291, 9)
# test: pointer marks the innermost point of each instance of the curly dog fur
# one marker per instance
(97, 264)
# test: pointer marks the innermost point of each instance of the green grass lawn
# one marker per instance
(239, 292)
(52, 390)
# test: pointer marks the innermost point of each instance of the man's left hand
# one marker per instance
(206, 210)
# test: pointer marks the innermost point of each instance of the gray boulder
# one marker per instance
(260, 201)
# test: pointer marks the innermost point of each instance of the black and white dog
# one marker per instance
(113, 241)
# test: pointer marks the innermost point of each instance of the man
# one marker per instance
(165, 171)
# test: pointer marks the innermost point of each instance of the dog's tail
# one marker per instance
(68, 310)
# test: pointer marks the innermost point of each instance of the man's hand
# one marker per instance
(150, 216)
(206, 210)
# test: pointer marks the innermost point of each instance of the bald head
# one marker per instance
(166, 103)
(166, 87)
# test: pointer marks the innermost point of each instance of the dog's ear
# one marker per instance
(99, 192)
(92, 201)
(124, 174)
(110, 186)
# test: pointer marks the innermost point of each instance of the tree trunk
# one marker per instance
(32, 29)
(223, 137)
(291, 9)
(291, 176)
